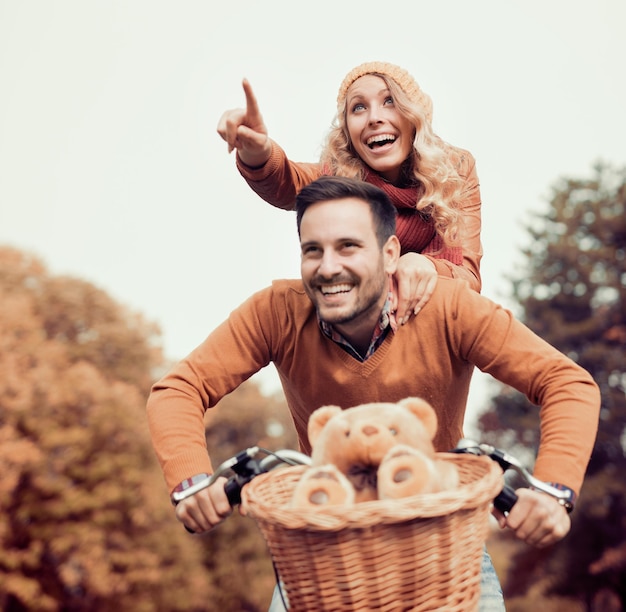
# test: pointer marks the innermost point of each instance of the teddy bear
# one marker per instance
(372, 451)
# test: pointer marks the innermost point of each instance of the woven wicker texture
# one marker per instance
(419, 553)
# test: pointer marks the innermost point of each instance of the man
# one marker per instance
(333, 340)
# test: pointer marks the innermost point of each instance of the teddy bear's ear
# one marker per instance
(318, 419)
(423, 411)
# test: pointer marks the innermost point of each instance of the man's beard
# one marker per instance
(368, 299)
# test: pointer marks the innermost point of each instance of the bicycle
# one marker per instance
(364, 560)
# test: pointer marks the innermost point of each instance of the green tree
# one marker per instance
(572, 293)
(85, 523)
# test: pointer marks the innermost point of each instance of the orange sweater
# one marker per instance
(432, 356)
(279, 180)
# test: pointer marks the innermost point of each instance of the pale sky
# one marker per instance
(111, 169)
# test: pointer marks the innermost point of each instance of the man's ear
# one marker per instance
(391, 253)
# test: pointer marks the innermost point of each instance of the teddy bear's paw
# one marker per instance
(322, 486)
(405, 471)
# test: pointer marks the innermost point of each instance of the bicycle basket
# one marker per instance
(418, 553)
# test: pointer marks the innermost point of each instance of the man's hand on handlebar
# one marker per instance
(537, 519)
(207, 501)
(205, 509)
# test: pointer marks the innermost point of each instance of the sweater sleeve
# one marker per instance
(279, 180)
(567, 396)
(470, 208)
(236, 350)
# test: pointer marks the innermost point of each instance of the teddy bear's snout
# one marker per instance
(369, 430)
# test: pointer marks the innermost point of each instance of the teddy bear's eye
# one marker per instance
(393, 431)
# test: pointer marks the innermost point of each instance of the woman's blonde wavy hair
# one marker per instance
(431, 164)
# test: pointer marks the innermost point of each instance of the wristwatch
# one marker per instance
(566, 497)
(189, 486)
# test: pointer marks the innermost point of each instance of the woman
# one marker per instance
(382, 134)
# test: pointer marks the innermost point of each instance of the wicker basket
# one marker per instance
(419, 553)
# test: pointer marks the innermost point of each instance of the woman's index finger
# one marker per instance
(252, 107)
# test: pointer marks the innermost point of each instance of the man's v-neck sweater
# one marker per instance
(432, 357)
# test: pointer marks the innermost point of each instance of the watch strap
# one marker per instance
(188, 487)
(567, 499)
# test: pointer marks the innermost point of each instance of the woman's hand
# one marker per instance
(244, 130)
(414, 281)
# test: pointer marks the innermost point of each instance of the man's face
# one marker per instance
(344, 270)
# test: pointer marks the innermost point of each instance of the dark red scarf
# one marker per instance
(415, 231)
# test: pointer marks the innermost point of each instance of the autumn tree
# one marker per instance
(572, 293)
(85, 523)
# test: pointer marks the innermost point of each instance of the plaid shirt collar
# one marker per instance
(386, 322)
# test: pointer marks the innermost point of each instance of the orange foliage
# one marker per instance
(85, 519)
(612, 558)
(85, 522)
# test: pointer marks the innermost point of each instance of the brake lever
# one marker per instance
(247, 466)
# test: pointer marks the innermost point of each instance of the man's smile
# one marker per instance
(336, 289)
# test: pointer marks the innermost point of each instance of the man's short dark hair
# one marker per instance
(339, 188)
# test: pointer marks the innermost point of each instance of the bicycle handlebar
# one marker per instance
(246, 465)
(254, 460)
(506, 461)
(507, 498)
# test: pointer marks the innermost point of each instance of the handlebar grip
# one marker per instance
(232, 489)
(506, 499)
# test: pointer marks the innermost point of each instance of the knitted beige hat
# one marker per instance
(406, 82)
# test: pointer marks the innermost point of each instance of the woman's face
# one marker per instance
(380, 135)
